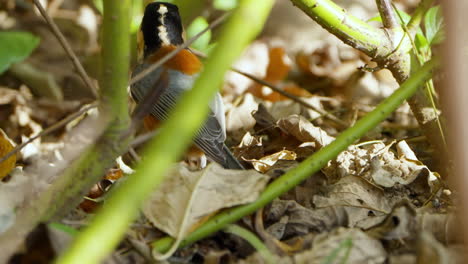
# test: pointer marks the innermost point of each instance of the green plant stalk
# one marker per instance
(115, 48)
(114, 80)
(105, 143)
(418, 15)
(109, 225)
(420, 59)
(350, 29)
(393, 53)
(253, 240)
(431, 124)
(312, 164)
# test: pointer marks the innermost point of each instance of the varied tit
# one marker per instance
(160, 33)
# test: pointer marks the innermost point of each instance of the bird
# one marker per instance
(161, 32)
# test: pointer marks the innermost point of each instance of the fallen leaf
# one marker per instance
(250, 147)
(265, 163)
(254, 60)
(304, 131)
(185, 199)
(343, 245)
(6, 145)
(278, 66)
(387, 170)
(239, 118)
(359, 197)
(7, 95)
(399, 224)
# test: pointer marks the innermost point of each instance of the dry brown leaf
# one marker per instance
(304, 131)
(360, 248)
(264, 164)
(254, 60)
(250, 147)
(279, 65)
(291, 219)
(387, 170)
(186, 198)
(359, 198)
(400, 224)
(7, 95)
(6, 145)
(284, 109)
(353, 161)
(239, 118)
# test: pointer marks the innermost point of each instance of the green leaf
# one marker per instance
(225, 5)
(64, 228)
(434, 24)
(15, 47)
(421, 42)
(198, 25)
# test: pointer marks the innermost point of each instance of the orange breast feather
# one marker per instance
(185, 61)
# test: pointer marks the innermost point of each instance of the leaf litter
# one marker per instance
(377, 202)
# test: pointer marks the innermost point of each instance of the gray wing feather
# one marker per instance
(210, 138)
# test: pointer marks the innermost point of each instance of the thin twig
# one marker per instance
(171, 54)
(134, 154)
(387, 14)
(58, 34)
(325, 114)
(143, 138)
(50, 129)
(293, 97)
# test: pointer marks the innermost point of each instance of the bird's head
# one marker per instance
(161, 26)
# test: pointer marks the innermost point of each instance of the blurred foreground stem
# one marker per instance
(109, 225)
(90, 148)
(312, 164)
(392, 49)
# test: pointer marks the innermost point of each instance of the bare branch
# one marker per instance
(71, 54)
(50, 129)
(325, 114)
(387, 14)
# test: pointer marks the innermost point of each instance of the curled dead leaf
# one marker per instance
(6, 145)
(388, 170)
(304, 131)
(265, 163)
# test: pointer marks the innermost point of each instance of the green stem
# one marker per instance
(122, 207)
(418, 15)
(391, 49)
(89, 149)
(350, 29)
(115, 56)
(92, 163)
(312, 164)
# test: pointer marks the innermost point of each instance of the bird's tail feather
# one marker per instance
(231, 162)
